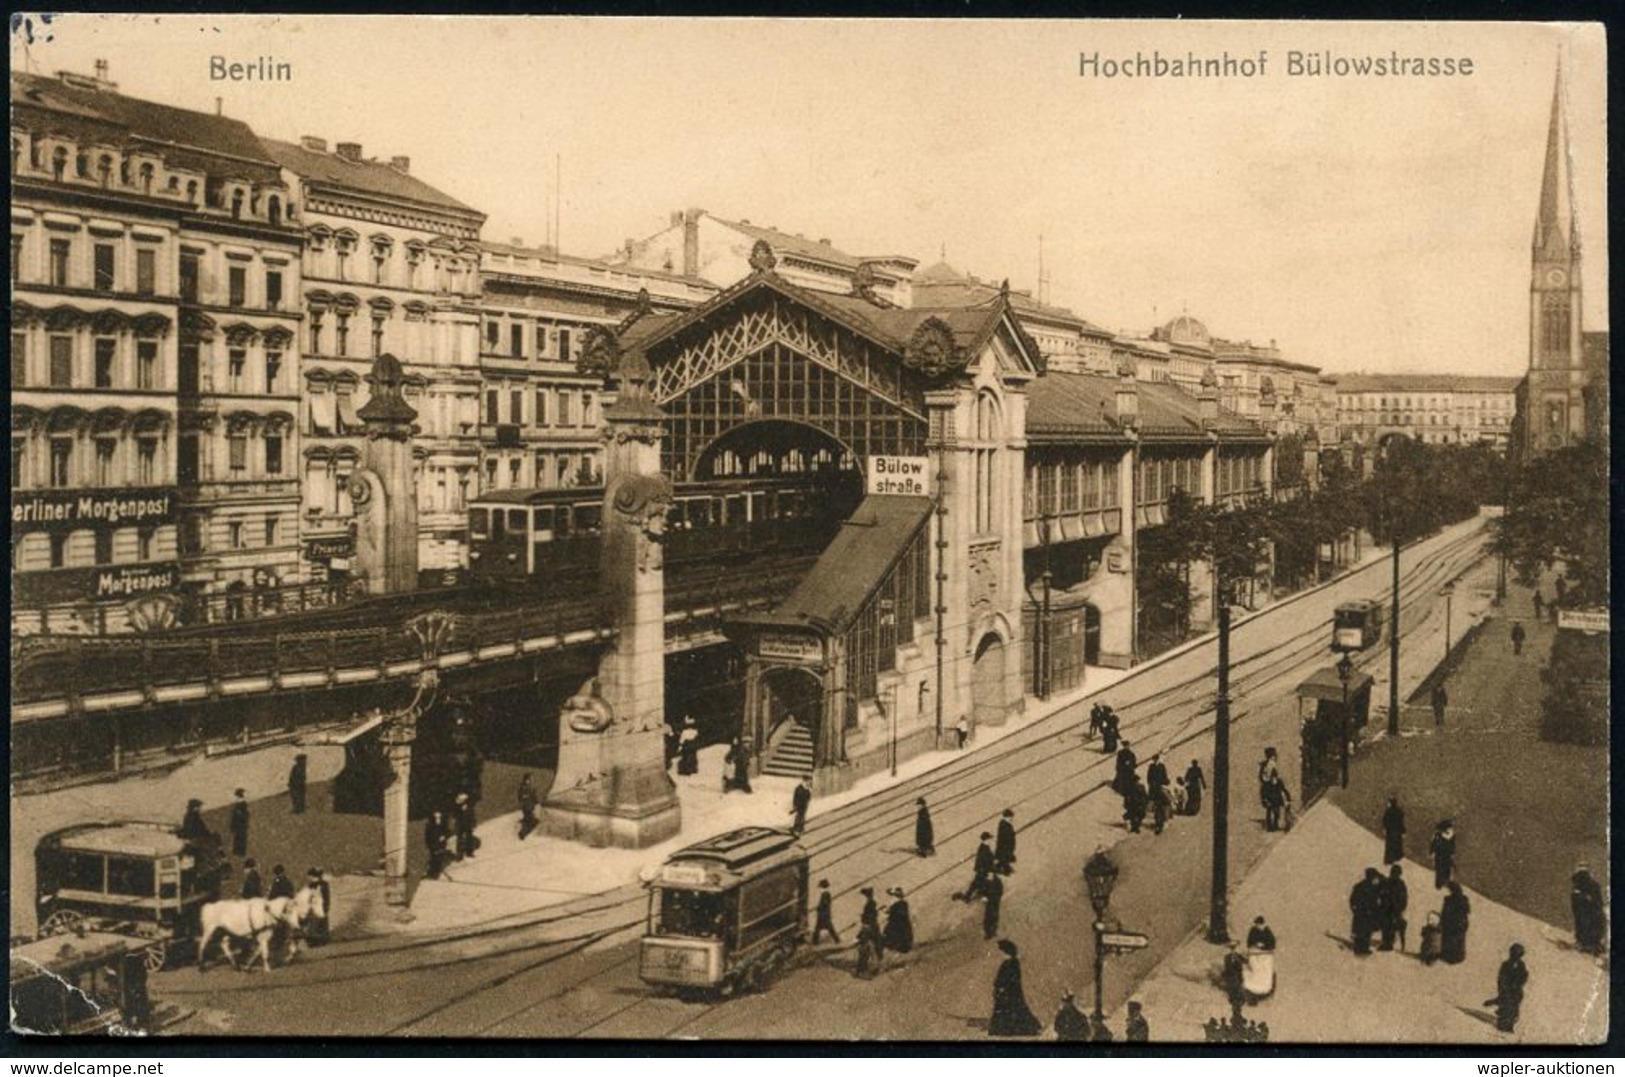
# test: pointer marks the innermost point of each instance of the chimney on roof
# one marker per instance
(1127, 396)
(1266, 404)
(1207, 399)
(101, 70)
(691, 242)
(350, 151)
(401, 164)
(311, 142)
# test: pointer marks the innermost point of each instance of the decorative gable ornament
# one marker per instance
(762, 258)
(601, 353)
(931, 349)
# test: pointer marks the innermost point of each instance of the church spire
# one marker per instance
(1556, 228)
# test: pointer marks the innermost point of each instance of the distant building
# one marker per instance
(1564, 397)
(539, 421)
(699, 245)
(1066, 341)
(1445, 409)
(391, 264)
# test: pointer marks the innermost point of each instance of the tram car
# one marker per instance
(552, 534)
(725, 913)
(80, 985)
(1357, 625)
(134, 879)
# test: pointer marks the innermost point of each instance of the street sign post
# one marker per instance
(1124, 941)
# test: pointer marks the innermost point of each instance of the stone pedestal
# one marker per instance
(397, 740)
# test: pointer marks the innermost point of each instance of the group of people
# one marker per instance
(1103, 720)
(1156, 795)
(875, 937)
(995, 859)
(449, 833)
(1012, 1016)
(1273, 794)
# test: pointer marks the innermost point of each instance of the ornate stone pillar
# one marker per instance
(384, 490)
(612, 787)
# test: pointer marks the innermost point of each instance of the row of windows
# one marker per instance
(1239, 474)
(196, 286)
(241, 462)
(111, 362)
(1384, 403)
(1070, 487)
(241, 533)
(551, 407)
(86, 548)
(1161, 475)
(553, 343)
(242, 375)
(74, 461)
(109, 269)
(545, 470)
(336, 256)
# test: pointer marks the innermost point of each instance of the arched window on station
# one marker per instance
(989, 427)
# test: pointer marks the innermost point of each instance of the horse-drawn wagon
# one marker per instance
(132, 879)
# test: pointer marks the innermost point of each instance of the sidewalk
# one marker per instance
(1326, 994)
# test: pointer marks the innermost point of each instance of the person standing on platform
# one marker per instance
(1393, 832)
(1443, 850)
(239, 823)
(925, 834)
(1195, 782)
(824, 918)
(296, 784)
(800, 800)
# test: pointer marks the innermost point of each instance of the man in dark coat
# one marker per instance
(239, 824)
(983, 869)
(1439, 698)
(1453, 918)
(435, 837)
(1517, 637)
(296, 784)
(1585, 900)
(899, 933)
(1137, 1029)
(281, 886)
(925, 834)
(1232, 978)
(1011, 1014)
(1396, 898)
(739, 758)
(1443, 850)
(1195, 782)
(1509, 984)
(1004, 847)
(253, 885)
(464, 820)
(869, 919)
(192, 827)
(1393, 832)
(688, 747)
(994, 891)
(1097, 715)
(1540, 605)
(1260, 937)
(1127, 764)
(1071, 1024)
(1108, 731)
(800, 800)
(1365, 910)
(824, 918)
(1156, 775)
(1134, 804)
(527, 807)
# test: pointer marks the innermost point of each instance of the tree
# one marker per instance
(1558, 512)
(1165, 557)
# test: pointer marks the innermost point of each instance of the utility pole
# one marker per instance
(1393, 650)
(1218, 913)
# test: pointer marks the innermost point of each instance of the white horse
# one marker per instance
(255, 920)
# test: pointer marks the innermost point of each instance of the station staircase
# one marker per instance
(792, 756)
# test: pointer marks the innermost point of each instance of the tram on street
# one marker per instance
(727, 912)
(133, 879)
(1357, 625)
(80, 985)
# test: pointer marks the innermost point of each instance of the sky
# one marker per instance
(1362, 223)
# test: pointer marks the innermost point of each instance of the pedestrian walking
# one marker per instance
(281, 886)
(1195, 783)
(1443, 850)
(869, 952)
(899, 932)
(1453, 919)
(463, 818)
(925, 834)
(1161, 807)
(1134, 804)
(239, 823)
(527, 807)
(1510, 982)
(1396, 898)
(1233, 977)
(1110, 730)
(1585, 900)
(962, 731)
(296, 784)
(253, 885)
(1393, 831)
(1540, 603)
(994, 892)
(1156, 775)
(824, 917)
(983, 869)
(1136, 1029)
(1071, 1024)
(869, 919)
(799, 802)
(316, 923)
(1439, 697)
(1004, 846)
(1365, 903)
(1127, 764)
(435, 837)
(1271, 790)
(739, 758)
(1011, 1014)
(688, 748)
(1517, 637)
(1097, 715)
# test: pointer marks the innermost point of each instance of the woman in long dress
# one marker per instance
(925, 834)
(1453, 926)
(899, 933)
(1011, 1014)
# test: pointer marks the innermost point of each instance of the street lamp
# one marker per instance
(1447, 592)
(1345, 670)
(1100, 875)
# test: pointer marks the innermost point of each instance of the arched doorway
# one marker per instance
(793, 713)
(1091, 635)
(987, 681)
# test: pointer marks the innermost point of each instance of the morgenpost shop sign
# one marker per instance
(95, 510)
